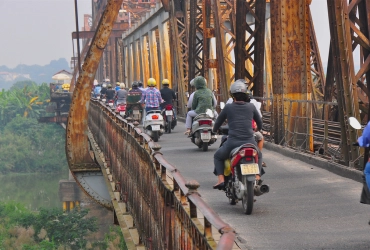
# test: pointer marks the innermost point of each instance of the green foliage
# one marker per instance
(64, 228)
(48, 229)
(29, 146)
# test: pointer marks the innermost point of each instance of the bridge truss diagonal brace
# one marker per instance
(344, 74)
(77, 146)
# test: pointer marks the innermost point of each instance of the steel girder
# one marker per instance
(291, 70)
(77, 147)
(345, 78)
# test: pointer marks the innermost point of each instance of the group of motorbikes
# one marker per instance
(240, 169)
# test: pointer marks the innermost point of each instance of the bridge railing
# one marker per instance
(168, 212)
(325, 133)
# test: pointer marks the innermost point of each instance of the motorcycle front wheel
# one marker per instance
(248, 196)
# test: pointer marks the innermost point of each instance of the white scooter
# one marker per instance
(201, 128)
(154, 124)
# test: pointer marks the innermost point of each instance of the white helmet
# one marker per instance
(238, 87)
(192, 82)
(104, 85)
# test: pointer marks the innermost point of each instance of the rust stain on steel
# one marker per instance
(164, 212)
(77, 146)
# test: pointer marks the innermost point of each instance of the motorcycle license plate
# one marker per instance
(136, 112)
(156, 127)
(122, 113)
(205, 136)
(103, 100)
(248, 169)
(169, 112)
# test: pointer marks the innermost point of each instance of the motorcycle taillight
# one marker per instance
(205, 122)
(249, 152)
(155, 117)
(168, 107)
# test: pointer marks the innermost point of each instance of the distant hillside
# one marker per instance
(36, 73)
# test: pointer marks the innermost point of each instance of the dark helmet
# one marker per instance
(140, 83)
(135, 85)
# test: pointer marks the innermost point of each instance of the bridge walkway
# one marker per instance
(307, 208)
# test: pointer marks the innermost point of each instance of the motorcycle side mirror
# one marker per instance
(209, 113)
(222, 105)
(354, 123)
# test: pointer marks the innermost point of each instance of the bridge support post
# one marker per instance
(291, 71)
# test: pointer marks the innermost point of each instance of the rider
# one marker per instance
(140, 84)
(202, 100)
(103, 91)
(97, 90)
(121, 95)
(239, 114)
(190, 101)
(152, 97)
(167, 94)
(110, 93)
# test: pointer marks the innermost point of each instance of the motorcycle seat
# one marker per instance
(201, 116)
(246, 145)
(153, 111)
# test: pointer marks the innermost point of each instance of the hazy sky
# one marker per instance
(38, 31)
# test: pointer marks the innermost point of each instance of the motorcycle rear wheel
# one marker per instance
(155, 136)
(205, 146)
(248, 196)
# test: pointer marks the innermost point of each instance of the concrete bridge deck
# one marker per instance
(307, 208)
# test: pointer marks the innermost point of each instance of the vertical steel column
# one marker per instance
(165, 53)
(145, 59)
(136, 68)
(344, 74)
(268, 67)
(291, 67)
(179, 51)
(192, 34)
(129, 71)
(77, 145)
(259, 47)
(154, 57)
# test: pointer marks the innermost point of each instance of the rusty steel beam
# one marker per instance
(90, 34)
(344, 74)
(291, 71)
(179, 51)
(77, 147)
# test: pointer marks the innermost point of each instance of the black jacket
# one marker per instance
(167, 95)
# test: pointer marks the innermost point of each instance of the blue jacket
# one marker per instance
(364, 140)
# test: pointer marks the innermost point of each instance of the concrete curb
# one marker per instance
(316, 161)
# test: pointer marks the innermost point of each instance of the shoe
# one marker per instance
(219, 186)
(259, 182)
(187, 132)
(264, 164)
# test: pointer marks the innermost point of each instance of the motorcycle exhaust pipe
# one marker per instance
(261, 189)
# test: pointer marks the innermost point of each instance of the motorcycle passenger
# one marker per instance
(118, 86)
(140, 84)
(121, 95)
(168, 95)
(152, 97)
(190, 101)
(239, 114)
(97, 90)
(133, 96)
(202, 100)
(110, 93)
(103, 91)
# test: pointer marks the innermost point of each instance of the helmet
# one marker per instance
(192, 82)
(96, 82)
(152, 82)
(166, 82)
(238, 87)
(109, 85)
(122, 86)
(135, 85)
(140, 83)
(118, 83)
(104, 85)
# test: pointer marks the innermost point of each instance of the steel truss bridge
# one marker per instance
(272, 44)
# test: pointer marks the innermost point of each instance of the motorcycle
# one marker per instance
(121, 109)
(201, 128)
(134, 111)
(169, 119)
(240, 175)
(154, 124)
(110, 103)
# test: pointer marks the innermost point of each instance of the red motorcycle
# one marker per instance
(240, 175)
(168, 117)
(121, 109)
